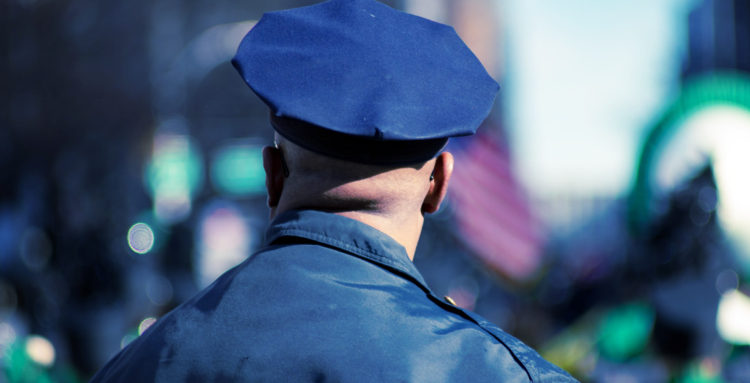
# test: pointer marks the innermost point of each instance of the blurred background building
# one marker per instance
(600, 215)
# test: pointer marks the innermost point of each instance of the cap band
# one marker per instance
(354, 148)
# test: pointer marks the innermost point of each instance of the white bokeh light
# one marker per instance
(141, 238)
(40, 350)
(720, 134)
(732, 317)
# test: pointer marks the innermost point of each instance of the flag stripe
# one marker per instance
(491, 210)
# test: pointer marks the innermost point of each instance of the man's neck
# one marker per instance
(404, 231)
(364, 201)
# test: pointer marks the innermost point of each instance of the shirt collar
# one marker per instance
(345, 234)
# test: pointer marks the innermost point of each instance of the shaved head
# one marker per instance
(318, 181)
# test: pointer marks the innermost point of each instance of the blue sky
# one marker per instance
(583, 80)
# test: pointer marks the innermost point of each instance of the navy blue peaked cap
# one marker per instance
(358, 80)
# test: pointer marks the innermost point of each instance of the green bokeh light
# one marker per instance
(625, 331)
(238, 170)
(175, 168)
(174, 176)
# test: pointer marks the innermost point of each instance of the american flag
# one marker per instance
(492, 212)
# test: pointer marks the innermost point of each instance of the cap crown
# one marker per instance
(361, 68)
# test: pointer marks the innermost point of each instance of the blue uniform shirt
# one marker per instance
(327, 299)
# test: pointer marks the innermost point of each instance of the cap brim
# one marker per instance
(356, 149)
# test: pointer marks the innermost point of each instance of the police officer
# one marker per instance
(362, 98)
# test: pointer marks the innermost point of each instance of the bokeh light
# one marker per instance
(7, 335)
(733, 317)
(40, 350)
(141, 238)
(731, 160)
(145, 324)
(127, 338)
(238, 170)
(224, 241)
(718, 134)
(625, 330)
(175, 172)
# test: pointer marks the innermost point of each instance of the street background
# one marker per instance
(601, 214)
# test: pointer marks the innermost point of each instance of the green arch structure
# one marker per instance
(721, 88)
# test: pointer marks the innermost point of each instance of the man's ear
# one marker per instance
(439, 183)
(273, 164)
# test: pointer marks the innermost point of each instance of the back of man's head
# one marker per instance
(321, 182)
(391, 198)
